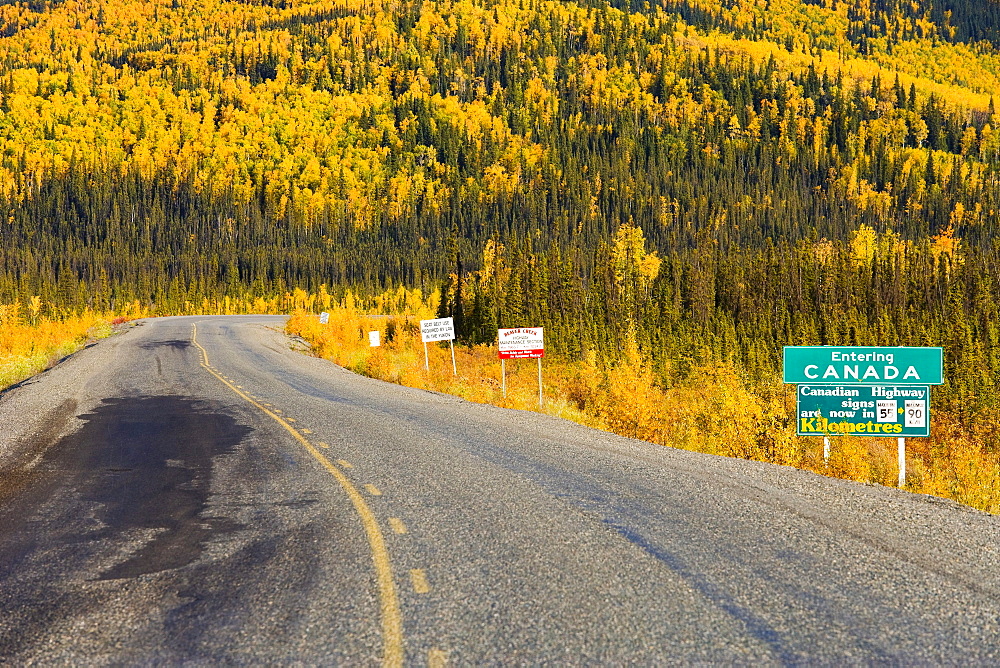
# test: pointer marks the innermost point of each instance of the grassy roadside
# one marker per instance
(31, 344)
(715, 410)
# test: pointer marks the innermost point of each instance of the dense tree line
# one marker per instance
(742, 307)
(691, 178)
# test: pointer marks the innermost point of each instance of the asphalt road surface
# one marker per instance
(196, 491)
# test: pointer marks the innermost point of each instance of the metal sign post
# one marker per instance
(521, 343)
(901, 453)
(442, 329)
(863, 390)
(541, 400)
(503, 376)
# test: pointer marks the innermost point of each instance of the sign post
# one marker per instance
(521, 343)
(901, 454)
(863, 390)
(442, 329)
(541, 398)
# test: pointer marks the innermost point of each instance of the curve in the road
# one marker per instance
(392, 624)
(168, 497)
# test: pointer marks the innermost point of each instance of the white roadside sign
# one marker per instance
(442, 329)
(521, 342)
(373, 339)
(324, 318)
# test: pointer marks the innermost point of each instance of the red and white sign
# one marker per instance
(521, 343)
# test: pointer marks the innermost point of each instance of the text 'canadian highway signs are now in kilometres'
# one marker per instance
(866, 365)
(864, 410)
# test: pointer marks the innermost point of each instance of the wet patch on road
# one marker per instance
(18, 473)
(126, 494)
(144, 464)
(177, 344)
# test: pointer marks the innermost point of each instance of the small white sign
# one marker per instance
(886, 410)
(373, 339)
(324, 318)
(442, 329)
(916, 413)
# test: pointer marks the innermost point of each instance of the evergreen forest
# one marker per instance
(683, 181)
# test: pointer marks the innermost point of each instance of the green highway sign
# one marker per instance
(864, 410)
(863, 364)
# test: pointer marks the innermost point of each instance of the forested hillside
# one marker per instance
(690, 180)
(166, 151)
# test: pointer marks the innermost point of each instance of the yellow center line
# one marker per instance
(392, 623)
(397, 525)
(437, 658)
(373, 490)
(346, 464)
(419, 580)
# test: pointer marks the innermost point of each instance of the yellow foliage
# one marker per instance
(713, 410)
(628, 402)
(849, 459)
(863, 245)
(629, 256)
(28, 348)
(946, 243)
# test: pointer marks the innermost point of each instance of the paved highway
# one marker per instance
(196, 491)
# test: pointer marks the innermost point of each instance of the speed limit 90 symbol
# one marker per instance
(915, 413)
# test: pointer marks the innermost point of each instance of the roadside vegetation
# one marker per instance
(674, 190)
(717, 408)
(32, 341)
